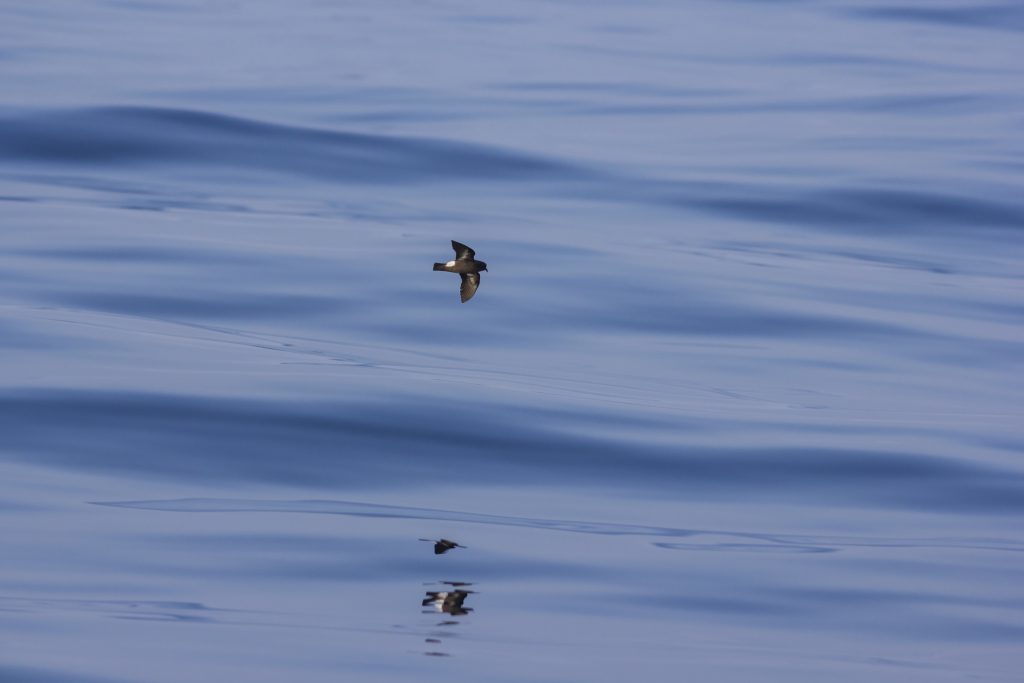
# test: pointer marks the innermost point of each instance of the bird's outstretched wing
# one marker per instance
(470, 281)
(462, 252)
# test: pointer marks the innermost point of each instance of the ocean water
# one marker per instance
(739, 398)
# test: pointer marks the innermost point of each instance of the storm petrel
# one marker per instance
(468, 268)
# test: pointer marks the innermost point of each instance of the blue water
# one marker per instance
(739, 398)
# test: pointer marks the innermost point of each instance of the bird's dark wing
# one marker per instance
(470, 281)
(462, 252)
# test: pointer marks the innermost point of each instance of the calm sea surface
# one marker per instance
(739, 398)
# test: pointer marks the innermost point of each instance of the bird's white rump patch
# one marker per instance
(449, 264)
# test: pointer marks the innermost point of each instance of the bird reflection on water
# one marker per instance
(449, 602)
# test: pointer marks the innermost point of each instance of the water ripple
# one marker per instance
(1003, 17)
(869, 210)
(45, 675)
(123, 136)
(215, 438)
(700, 539)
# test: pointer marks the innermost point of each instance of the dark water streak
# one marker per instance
(119, 136)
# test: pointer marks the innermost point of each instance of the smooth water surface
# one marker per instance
(738, 399)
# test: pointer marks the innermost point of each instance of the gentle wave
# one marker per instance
(221, 439)
(48, 675)
(1002, 17)
(700, 539)
(121, 136)
(870, 211)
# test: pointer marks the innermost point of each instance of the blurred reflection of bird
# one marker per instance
(449, 602)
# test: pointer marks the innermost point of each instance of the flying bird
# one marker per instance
(468, 268)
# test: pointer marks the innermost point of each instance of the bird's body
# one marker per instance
(468, 268)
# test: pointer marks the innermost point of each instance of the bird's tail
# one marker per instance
(438, 266)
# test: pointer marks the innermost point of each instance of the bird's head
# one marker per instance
(483, 266)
